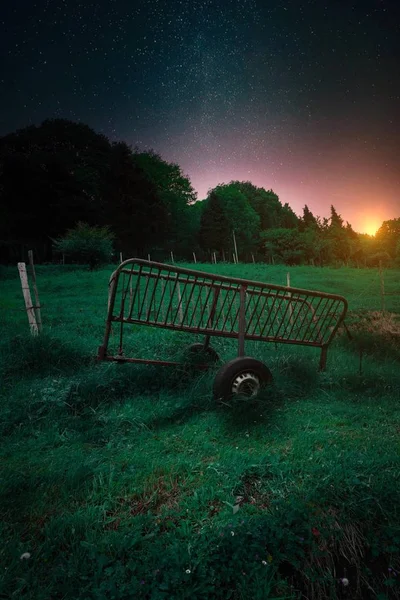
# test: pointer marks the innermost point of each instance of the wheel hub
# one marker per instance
(247, 384)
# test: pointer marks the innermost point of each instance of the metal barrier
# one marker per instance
(144, 292)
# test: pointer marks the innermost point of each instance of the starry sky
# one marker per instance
(299, 96)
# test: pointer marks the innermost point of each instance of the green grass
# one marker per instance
(127, 481)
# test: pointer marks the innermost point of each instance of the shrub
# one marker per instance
(86, 244)
(381, 257)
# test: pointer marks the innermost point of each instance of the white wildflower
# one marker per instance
(188, 571)
(25, 556)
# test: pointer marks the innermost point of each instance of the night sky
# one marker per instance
(302, 97)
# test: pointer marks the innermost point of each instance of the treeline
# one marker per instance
(61, 173)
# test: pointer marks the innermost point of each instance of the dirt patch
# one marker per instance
(159, 494)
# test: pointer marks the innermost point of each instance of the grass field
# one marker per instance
(127, 481)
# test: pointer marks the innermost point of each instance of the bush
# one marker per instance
(87, 244)
(382, 258)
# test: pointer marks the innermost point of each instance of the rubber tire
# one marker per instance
(198, 349)
(222, 389)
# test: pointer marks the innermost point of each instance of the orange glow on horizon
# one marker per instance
(371, 226)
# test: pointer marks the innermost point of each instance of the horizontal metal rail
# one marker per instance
(165, 296)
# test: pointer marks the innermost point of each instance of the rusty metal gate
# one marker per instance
(143, 292)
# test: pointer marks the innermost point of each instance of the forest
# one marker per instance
(61, 173)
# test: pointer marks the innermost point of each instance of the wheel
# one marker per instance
(198, 350)
(243, 376)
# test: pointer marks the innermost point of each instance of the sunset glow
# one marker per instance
(297, 97)
(371, 226)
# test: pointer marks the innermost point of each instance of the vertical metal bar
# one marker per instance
(277, 296)
(212, 314)
(259, 313)
(283, 319)
(314, 319)
(171, 297)
(292, 319)
(251, 307)
(233, 290)
(242, 320)
(112, 279)
(308, 311)
(216, 291)
(136, 293)
(121, 315)
(161, 305)
(179, 309)
(323, 358)
(318, 317)
(155, 281)
(236, 313)
(336, 326)
(130, 295)
(181, 296)
(162, 302)
(328, 321)
(144, 301)
(206, 307)
(200, 289)
(200, 297)
(189, 300)
(221, 308)
(274, 296)
(129, 286)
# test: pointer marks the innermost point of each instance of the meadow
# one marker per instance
(123, 481)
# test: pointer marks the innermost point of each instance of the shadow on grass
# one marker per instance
(241, 414)
(188, 392)
(27, 356)
(115, 383)
(295, 378)
(91, 387)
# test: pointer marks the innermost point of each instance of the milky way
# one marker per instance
(300, 97)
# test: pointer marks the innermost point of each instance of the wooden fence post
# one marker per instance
(35, 291)
(27, 297)
(234, 242)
